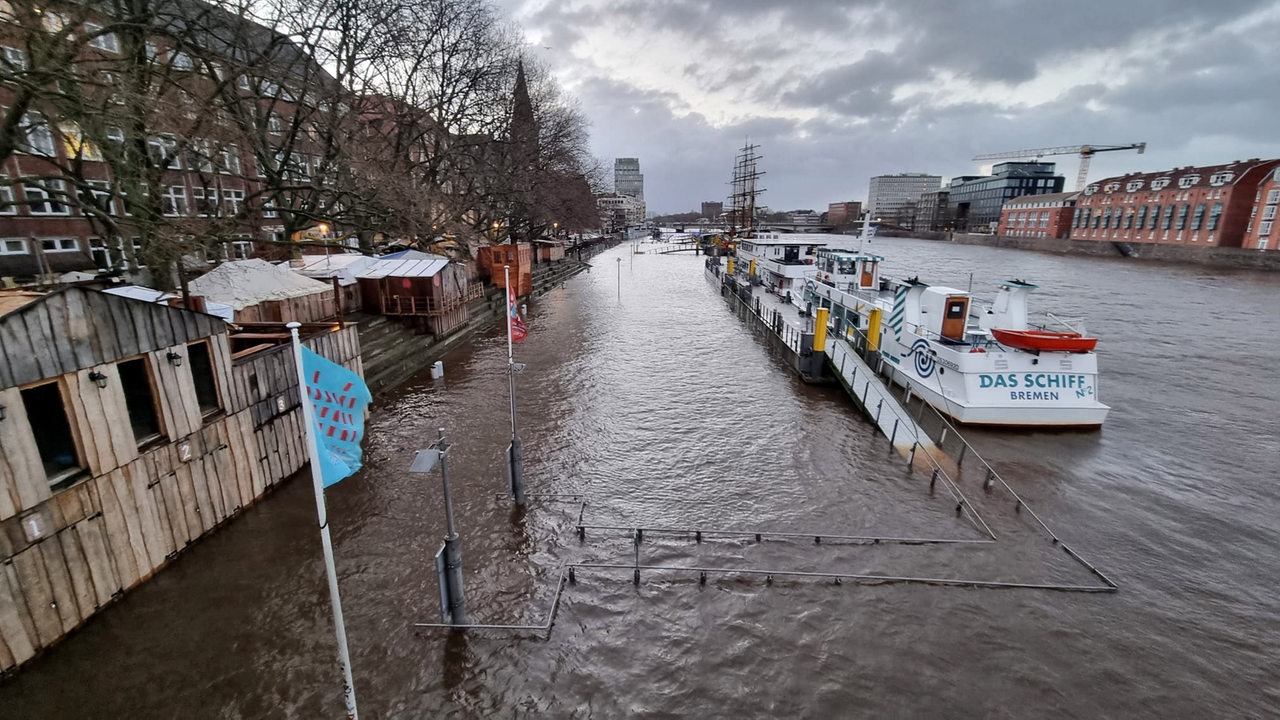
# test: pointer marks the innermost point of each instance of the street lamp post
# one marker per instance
(515, 455)
(619, 279)
(453, 602)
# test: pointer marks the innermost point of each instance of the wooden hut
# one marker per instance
(548, 251)
(519, 256)
(261, 292)
(414, 284)
(344, 267)
(126, 433)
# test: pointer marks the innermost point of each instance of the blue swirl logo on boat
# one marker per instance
(924, 361)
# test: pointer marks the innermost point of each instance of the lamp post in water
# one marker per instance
(515, 459)
(619, 279)
(453, 602)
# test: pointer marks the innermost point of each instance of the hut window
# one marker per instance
(202, 374)
(140, 399)
(48, 418)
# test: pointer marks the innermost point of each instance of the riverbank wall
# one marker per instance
(1223, 257)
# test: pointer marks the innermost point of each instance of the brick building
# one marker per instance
(1211, 206)
(844, 213)
(1259, 233)
(1041, 216)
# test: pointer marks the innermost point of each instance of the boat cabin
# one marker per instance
(848, 271)
(778, 261)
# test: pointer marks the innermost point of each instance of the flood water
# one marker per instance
(645, 395)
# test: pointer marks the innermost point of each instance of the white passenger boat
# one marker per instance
(979, 364)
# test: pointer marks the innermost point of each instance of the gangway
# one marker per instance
(876, 400)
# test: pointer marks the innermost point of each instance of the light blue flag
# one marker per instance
(338, 398)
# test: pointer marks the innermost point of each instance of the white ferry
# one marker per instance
(781, 262)
(981, 365)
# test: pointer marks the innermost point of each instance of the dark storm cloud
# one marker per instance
(1178, 76)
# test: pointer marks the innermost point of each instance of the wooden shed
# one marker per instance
(344, 267)
(519, 256)
(126, 433)
(548, 250)
(261, 292)
(414, 284)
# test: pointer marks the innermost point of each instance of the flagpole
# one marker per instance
(515, 459)
(322, 513)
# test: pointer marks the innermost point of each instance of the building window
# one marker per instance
(15, 60)
(164, 151)
(198, 156)
(1264, 228)
(139, 398)
(36, 134)
(1198, 219)
(174, 200)
(13, 246)
(203, 375)
(205, 200)
(98, 195)
(1214, 215)
(1183, 209)
(1159, 183)
(1167, 222)
(230, 159)
(238, 249)
(1142, 218)
(234, 199)
(1273, 196)
(107, 42)
(181, 61)
(43, 198)
(7, 206)
(48, 418)
(1155, 216)
(59, 245)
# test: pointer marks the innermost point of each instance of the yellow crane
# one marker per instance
(1086, 153)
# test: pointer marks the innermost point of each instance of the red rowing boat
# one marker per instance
(1044, 340)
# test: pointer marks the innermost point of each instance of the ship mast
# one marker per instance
(742, 202)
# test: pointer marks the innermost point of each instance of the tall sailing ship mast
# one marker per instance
(742, 202)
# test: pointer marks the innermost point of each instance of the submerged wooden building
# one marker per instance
(428, 289)
(519, 256)
(126, 433)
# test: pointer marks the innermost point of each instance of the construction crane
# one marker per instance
(1086, 153)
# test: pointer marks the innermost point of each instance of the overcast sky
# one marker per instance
(835, 91)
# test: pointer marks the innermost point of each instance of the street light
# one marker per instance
(619, 279)
(453, 603)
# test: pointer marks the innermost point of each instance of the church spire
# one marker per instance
(524, 129)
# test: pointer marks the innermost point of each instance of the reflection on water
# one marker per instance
(663, 411)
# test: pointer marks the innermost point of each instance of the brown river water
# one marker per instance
(645, 395)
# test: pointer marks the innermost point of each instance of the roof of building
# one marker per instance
(242, 283)
(76, 328)
(1027, 200)
(405, 267)
(11, 300)
(146, 294)
(1183, 178)
(344, 266)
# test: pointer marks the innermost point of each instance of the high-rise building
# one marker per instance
(628, 181)
(712, 209)
(892, 198)
(976, 201)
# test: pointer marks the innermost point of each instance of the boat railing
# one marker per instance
(1075, 325)
(952, 445)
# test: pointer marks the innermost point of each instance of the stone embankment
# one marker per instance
(1224, 257)
(392, 353)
